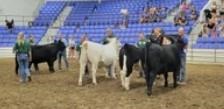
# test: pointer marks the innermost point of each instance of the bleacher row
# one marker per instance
(93, 18)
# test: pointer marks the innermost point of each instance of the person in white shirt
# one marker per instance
(71, 44)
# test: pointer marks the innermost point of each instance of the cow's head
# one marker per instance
(60, 45)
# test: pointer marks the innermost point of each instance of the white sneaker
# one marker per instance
(182, 83)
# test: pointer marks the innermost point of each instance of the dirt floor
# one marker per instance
(59, 90)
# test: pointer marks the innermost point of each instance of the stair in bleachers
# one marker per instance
(52, 30)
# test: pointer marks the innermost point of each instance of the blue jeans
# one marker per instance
(23, 62)
(62, 54)
(182, 75)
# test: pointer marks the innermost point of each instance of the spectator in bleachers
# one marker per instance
(77, 27)
(30, 24)
(71, 44)
(109, 34)
(180, 20)
(212, 23)
(183, 8)
(221, 32)
(214, 7)
(194, 15)
(184, 41)
(62, 54)
(94, 8)
(125, 18)
(86, 18)
(142, 41)
(9, 25)
(22, 49)
(31, 40)
(153, 14)
(204, 32)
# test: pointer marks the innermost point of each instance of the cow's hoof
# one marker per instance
(127, 88)
(80, 84)
(149, 93)
(175, 85)
(114, 77)
(52, 71)
(29, 79)
(95, 84)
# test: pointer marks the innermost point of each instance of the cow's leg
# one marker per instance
(59, 60)
(17, 65)
(82, 72)
(147, 78)
(141, 73)
(150, 79)
(127, 76)
(112, 70)
(94, 68)
(51, 66)
(107, 71)
(175, 74)
(166, 79)
(36, 67)
(123, 71)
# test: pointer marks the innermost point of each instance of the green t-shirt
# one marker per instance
(141, 43)
(22, 47)
(78, 47)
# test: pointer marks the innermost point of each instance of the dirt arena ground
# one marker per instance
(59, 90)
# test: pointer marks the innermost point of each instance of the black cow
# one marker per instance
(161, 59)
(128, 56)
(44, 53)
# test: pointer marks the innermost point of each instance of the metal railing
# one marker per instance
(18, 20)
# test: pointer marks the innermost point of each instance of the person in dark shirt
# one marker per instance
(182, 39)
(109, 34)
(10, 25)
(157, 36)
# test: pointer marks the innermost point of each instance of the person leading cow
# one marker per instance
(62, 54)
(184, 42)
(109, 35)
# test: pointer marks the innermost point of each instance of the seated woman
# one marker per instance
(194, 15)
(212, 26)
(221, 32)
(204, 32)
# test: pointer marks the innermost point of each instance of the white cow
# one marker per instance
(94, 53)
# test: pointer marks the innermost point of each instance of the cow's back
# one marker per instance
(44, 53)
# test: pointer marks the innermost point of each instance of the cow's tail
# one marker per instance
(122, 63)
(121, 58)
(83, 54)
